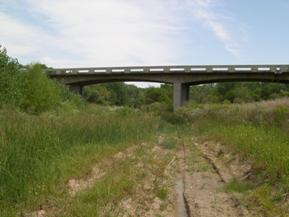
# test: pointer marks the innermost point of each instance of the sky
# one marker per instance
(99, 33)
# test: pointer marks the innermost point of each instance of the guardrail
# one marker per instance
(276, 69)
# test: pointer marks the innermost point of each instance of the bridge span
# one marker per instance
(181, 77)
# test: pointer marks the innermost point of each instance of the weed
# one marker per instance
(236, 185)
(162, 193)
(169, 143)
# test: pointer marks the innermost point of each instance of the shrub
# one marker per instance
(68, 97)
(40, 93)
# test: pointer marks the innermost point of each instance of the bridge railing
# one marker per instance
(277, 69)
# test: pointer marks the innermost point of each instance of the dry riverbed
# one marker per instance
(185, 180)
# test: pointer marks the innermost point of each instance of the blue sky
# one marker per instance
(87, 33)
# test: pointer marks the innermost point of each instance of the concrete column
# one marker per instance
(77, 89)
(181, 94)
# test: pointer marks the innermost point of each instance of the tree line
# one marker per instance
(122, 94)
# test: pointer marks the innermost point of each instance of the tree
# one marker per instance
(40, 93)
(10, 80)
(98, 94)
(154, 94)
(242, 94)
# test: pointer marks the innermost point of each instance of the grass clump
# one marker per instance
(262, 200)
(236, 185)
(169, 143)
(162, 193)
(105, 195)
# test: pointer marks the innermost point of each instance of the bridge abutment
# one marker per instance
(77, 89)
(181, 94)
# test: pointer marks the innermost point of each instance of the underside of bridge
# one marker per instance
(180, 95)
(181, 77)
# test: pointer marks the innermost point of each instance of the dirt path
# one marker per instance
(204, 176)
(185, 181)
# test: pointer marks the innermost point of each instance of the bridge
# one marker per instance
(181, 77)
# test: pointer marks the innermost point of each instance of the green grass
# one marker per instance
(39, 153)
(169, 143)
(237, 186)
(162, 193)
(267, 147)
(105, 195)
(262, 200)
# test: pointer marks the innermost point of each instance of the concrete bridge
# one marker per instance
(181, 77)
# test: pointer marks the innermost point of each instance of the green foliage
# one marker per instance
(99, 94)
(10, 80)
(122, 94)
(29, 88)
(237, 92)
(40, 93)
(262, 198)
(126, 111)
(157, 108)
(68, 98)
(161, 95)
(169, 143)
(174, 118)
(119, 94)
(162, 193)
(236, 185)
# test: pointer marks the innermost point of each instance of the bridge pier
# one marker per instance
(181, 94)
(77, 89)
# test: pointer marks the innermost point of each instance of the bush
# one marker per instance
(40, 93)
(69, 98)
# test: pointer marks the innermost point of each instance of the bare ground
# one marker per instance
(191, 176)
(202, 190)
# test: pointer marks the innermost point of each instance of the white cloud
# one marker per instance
(11, 33)
(205, 11)
(109, 32)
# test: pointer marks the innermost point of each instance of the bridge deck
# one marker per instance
(276, 69)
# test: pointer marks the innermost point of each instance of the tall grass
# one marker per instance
(39, 152)
(259, 131)
(267, 147)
